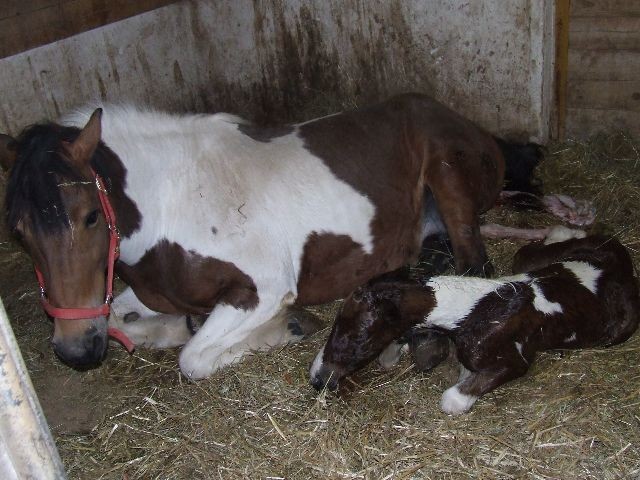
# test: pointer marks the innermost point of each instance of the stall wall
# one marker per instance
(604, 67)
(277, 60)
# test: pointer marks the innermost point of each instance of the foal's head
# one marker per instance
(52, 206)
(369, 320)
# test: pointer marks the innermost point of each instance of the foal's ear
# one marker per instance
(8, 151)
(82, 148)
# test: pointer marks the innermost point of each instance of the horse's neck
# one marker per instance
(168, 160)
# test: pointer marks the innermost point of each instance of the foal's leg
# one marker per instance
(429, 348)
(472, 385)
(144, 327)
(390, 356)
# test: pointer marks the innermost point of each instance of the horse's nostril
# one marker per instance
(98, 345)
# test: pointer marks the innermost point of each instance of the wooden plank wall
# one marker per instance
(603, 91)
(25, 24)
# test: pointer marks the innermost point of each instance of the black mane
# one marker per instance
(33, 189)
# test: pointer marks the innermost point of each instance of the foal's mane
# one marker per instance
(33, 187)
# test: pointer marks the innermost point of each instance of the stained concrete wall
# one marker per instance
(288, 60)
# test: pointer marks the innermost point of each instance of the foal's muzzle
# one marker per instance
(325, 378)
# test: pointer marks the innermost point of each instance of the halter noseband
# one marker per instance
(114, 252)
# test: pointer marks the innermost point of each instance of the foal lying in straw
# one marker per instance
(576, 293)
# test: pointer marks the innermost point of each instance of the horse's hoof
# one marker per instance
(302, 323)
(131, 317)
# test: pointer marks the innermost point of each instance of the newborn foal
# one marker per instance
(577, 293)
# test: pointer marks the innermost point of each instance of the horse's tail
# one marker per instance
(521, 159)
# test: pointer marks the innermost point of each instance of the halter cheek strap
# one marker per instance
(114, 252)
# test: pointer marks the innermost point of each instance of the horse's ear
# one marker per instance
(82, 148)
(8, 151)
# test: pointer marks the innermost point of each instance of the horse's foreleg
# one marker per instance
(230, 333)
(147, 328)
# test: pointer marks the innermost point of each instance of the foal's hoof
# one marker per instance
(429, 349)
(302, 323)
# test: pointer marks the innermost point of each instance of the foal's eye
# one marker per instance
(91, 219)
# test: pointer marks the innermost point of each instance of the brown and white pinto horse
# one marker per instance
(236, 222)
(575, 293)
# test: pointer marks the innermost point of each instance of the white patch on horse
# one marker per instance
(264, 198)
(541, 303)
(317, 364)
(586, 274)
(454, 402)
(456, 297)
(571, 338)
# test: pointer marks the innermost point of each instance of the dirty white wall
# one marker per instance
(283, 60)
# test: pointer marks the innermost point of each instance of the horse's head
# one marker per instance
(53, 207)
(369, 320)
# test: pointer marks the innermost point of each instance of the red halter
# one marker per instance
(114, 252)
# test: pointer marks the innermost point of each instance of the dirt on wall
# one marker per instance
(302, 71)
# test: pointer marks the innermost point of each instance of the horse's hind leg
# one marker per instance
(300, 323)
(147, 328)
(460, 217)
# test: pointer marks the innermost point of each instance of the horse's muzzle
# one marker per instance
(84, 351)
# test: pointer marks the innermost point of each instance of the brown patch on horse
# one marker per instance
(169, 279)
(332, 266)
(412, 144)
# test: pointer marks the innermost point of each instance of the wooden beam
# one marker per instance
(606, 8)
(563, 8)
(605, 94)
(605, 33)
(26, 24)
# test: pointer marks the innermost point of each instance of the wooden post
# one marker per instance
(561, 66)
(27, 449)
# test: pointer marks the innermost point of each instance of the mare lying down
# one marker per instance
(576, 293)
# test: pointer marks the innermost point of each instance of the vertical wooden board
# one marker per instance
(605, 33)
(561, 66)
(595, 8)
(617, 95)
(587, 121)
(607, 65)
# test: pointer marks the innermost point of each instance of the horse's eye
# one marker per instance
(91, 219)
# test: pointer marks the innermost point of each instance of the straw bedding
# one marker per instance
(575, 415)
